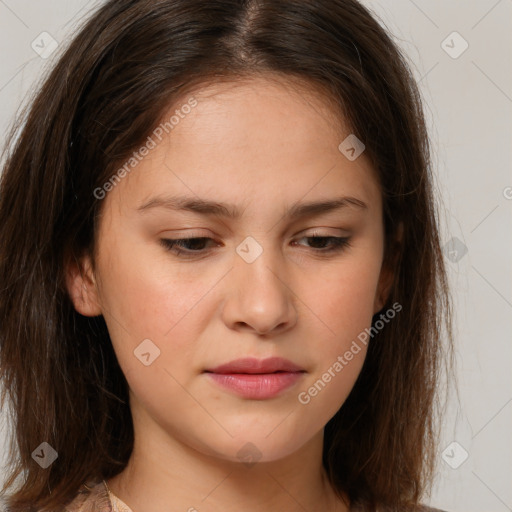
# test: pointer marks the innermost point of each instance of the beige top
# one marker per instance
(117, 504)
(97, 497)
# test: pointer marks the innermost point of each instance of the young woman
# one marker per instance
(222, 286)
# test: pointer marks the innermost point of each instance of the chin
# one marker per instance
(260, 447)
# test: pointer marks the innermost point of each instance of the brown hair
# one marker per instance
(106, 93)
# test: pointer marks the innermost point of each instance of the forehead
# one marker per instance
(256, 141)
(255, 109)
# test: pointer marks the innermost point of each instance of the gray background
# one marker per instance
(468, 100)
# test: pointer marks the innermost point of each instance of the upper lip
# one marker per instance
(254, 365)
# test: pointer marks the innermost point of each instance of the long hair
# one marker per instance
(106, 93)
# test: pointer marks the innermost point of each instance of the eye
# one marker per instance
(185, 246)
(190, 247)
(334, 243)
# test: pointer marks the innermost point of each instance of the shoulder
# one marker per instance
(91, 497)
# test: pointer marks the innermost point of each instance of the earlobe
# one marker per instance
(81, 286)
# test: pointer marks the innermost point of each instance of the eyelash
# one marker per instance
(338, 245)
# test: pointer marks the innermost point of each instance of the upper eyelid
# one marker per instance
(346, 238)
(305, 232)
(175, 241)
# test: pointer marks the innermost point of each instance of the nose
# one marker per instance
(259, 298)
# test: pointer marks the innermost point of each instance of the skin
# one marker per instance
(262, 145)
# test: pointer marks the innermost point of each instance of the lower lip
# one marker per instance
(256, 385)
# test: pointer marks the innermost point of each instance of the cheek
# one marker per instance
(146, 297)
(344, 296)
(343, 304)
(325, 392)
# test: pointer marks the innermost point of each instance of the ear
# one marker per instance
(81, 286)
(387, 274)
(384, 288)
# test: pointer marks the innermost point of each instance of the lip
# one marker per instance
(257, 379)
(253, 365)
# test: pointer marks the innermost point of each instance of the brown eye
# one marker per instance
(185, 246)
(334, 243)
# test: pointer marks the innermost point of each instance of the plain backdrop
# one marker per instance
(461, 53)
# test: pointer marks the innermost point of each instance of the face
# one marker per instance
(252, 285)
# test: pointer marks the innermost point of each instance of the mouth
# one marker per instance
(256, 379)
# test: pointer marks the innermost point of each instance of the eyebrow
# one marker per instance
(214, 208)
